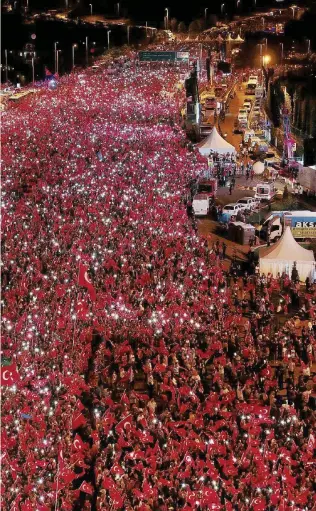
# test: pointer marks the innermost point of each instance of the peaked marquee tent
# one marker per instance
(281, 256)
(214, 142)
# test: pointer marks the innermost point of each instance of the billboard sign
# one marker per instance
(163, 56)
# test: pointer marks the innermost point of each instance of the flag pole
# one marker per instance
(56, 498)
(75, 323)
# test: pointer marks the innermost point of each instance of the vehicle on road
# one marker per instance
(230, 212)
(249, 203)
(251, 86)
(265, 191)
(302, 224)
(204, 196)
(242, 114)
(247, 105)
(259, 92)
(201, 204)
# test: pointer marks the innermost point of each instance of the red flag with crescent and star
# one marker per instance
(9, 375)
(84, 281)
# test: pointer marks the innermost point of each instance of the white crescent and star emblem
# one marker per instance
(87, 278)
(77, 444)
(4, 375)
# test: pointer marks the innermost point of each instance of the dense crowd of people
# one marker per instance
(137, 374)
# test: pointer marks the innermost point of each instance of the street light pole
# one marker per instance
(282, 47)
(205, 13)
(308, 45)
(91, 8)
(167, 17)
(87, 50)
(146, 29)
(262, 23)
(73, 56)
(222, 8)
(108, 34)
(55, 53)
(293, 7)
(33, 71)
(128, 28)
(6, 65)
(57, 61)
(118, 8)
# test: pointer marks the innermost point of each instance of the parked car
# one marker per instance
(248, 203)
(242, 114)
(247, 105)
(232, 208)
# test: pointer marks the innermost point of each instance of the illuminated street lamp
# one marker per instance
(308, 45)
(293, 7)
(6, 65)
(266, 59)
(282, 49)
(167, 17)
(74, 46)
(57, 60)
(238, 3)
(55, 53)
(108, 34)
(128, 29)
(266, 43)
(222, 8)
(33, 71)
(118, 8)
(87, 49)
(90, 8)
(205, 13)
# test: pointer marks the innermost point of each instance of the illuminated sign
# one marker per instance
(169, 56)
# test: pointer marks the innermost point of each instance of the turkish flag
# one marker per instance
(78, 420)
(117, 470)
(84, 281)
(78, 444)
(259, 504)
(116, 498)
(9, 375)
(61, 462)
(107, 483)
(67, 476)
(86, 488)
(107, 422)
(124, 423)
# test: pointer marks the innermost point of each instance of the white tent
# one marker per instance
(214, 142)
(258, 168)
(281, 256)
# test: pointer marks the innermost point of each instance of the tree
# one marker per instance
(194, 26)
(173, 24)
(182, 27)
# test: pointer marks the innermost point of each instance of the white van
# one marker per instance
(265, 191)
(201, 204)
(242, 114)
